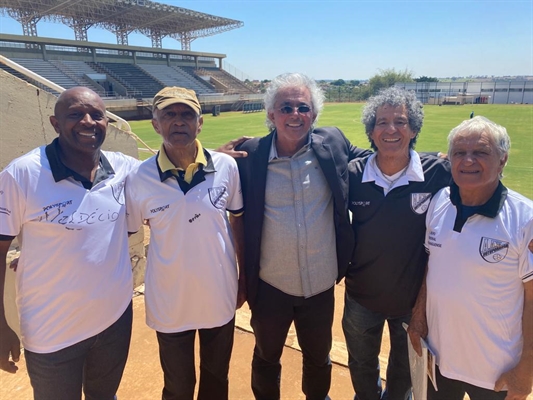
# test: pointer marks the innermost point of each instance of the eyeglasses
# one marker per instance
(301, 109)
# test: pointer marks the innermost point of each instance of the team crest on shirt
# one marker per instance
(118, 192)
(420, 202)
(216, 195)
(493, 250)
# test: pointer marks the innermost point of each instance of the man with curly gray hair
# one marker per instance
(298, 240)
(390, 191)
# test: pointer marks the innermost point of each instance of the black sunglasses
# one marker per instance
(301, 109)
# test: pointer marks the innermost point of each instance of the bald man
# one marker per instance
(65, 201)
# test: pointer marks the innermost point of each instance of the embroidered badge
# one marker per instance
(216, 196)
(493, 250)
(420, 202)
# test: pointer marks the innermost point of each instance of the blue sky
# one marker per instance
(355, 39)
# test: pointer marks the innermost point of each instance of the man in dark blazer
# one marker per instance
(298, 239)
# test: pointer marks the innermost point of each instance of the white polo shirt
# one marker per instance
(74, 274)
(475, 279)
(191, 272)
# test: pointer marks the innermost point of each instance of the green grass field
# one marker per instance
(518, 119)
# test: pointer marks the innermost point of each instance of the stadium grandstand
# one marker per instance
(127, 77)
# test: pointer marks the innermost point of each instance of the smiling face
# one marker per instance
(80, 120)
(294, 126)
(476, 164)
(178, 124)
(392, 134)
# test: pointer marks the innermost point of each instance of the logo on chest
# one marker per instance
(118, 192)
(493, 250)
(216, 195)
(420, 202)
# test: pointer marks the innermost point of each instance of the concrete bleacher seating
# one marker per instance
(195, 78)
(78, 71)
(223, 80)
(174, 76)
(131, 75)
(47, 70)
(19, 75)
(141, 81)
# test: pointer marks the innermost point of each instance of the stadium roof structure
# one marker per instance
(122, 17)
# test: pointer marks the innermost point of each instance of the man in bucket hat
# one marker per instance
(192, 282)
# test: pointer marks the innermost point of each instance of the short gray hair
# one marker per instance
(497, 133)
(394, 97)
(288, 80)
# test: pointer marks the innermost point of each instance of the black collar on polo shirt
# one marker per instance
(197, 178)
(60, 171)
(490, 209)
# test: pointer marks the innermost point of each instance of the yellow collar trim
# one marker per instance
(166, 165)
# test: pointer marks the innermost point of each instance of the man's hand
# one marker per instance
(14, 264)
(418, 326)
(9, 346)
(518, 382)
(241, 293)
(418, 329)
(229, 148)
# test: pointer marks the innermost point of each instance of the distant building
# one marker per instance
(508, 92)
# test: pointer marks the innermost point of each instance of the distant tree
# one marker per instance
(338, 82)
(355, 83)
(426, 79)
(384, 79)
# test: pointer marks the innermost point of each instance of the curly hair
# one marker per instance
(394, 97)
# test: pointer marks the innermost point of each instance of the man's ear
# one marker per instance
(503, 162)
(155, 125)
(271, 117)
(55, 123)
(200, 124)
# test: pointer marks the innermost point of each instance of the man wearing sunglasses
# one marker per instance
(298, 240)
(191, 279)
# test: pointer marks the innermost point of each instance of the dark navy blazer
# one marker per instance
(333, 152)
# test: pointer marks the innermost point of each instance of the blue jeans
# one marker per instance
(176, 353)
(363, 330)
(272, 315)
(451, 389)
(95, 364)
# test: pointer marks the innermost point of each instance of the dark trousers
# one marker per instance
(176, 353)
(450, 389)
(272, 315)
(363, 330)
(95, 364)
